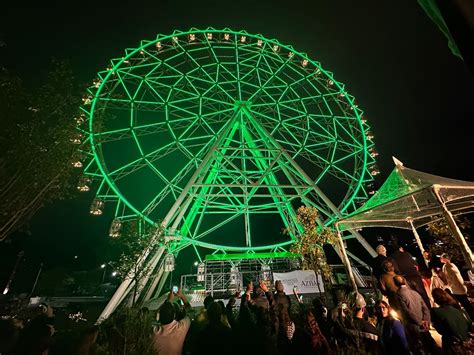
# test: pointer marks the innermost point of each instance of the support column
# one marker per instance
(345, 259)
(417, 238)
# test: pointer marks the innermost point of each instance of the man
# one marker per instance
(377, 270)
(367, 333)
(387, 284)
(415, 314)
(215, 336)
(408, 268)
(169, 337)
(456, 283)
(261, 296)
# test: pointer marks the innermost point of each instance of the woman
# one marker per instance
(449, 321)
(308, 338)
(286, 329)
(392, 332)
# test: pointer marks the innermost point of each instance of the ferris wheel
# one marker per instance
(207, 131)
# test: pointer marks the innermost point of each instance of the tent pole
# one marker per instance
(466, 251)
(345, 259)
(417, 238)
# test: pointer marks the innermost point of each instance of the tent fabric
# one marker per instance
(408, 195)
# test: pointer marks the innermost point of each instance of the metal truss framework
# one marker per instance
(204, 130)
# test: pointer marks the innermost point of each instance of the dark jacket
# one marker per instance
(451, 323)
(377, 265)
(281, 297)
(406, 265)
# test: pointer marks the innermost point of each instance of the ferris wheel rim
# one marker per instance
(101, 164)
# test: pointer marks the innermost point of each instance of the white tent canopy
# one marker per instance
(410, 199)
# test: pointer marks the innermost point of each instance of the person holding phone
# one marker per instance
(261, 296)
(169, 337)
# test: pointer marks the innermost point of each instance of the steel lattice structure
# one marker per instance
(204, 130)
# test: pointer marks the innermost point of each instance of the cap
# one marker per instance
(359, 301)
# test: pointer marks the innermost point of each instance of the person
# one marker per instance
(169, 337)
(438, 280)
(216, 336)
(432, 261)
(456, 283)
(308, 338)
(364, 333)
(415, 314)
(321, 313)
(450, 322)
(286, 329)
(261, 296)
(280, 297)
(88, 341)
(36, 337)
(408, 268)
(392, 333)
(377, 269)
(387, 284)
(9, 335)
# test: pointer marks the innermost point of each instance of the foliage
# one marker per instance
(310, 243)
(134, 242)
(444, 241)
(127, 331)
(36, 161)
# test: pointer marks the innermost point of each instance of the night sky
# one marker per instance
(416, 94)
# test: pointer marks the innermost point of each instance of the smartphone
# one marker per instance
(175, 289)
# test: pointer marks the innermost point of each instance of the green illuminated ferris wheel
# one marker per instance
(209, 131)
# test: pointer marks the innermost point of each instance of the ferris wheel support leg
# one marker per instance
(364, 243)
(179, 201)
(152, 288)
(358, 259)
(116, 299)
(163, 279)
(308, 180)
(345, 260)
(120, 294)
(152, 265)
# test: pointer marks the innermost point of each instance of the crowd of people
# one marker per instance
(429, 296)
(415, 302)
(412, 307)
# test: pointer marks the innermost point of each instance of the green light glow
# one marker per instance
(247, 256)
(234, 126)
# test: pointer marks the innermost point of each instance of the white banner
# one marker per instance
(304, 280)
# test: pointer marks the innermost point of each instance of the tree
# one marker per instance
(310, 243)
(443, 240)
(134, 242)
(37, 153)
(127, 331)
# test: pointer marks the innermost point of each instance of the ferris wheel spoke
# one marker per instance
(268, 81)
(207, 74)
(155, 92)
(174, 184)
